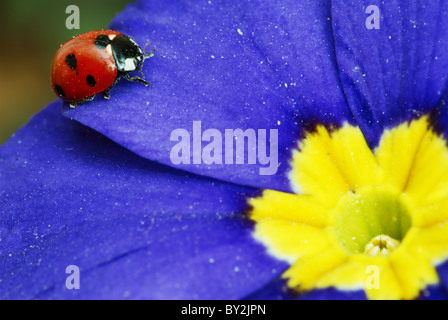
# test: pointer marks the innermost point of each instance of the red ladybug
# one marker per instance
(93, 62)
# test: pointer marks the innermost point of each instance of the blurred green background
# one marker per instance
(31, 31)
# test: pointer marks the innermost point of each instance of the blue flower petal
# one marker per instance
(394, 73)
(437, 292)
(277, 289)
(135, 229)
(334, 294)
(248, 65)
(442, 271)
(439, 117)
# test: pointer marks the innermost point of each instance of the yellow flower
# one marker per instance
(361, 220)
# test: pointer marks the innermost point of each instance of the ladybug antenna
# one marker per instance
(149, 54)
(141, 72)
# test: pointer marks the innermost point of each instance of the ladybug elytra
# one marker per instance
(93, 62)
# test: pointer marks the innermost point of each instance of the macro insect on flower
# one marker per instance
(93, 62)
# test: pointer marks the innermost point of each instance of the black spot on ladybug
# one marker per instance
(90, 80)
(102, 41)
(59, 90)
(70, 60)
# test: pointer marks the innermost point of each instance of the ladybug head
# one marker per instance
(127, 54)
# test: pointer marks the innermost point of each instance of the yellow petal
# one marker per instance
(398, 149)
(290, 241)
(290, 207)
(331, 164)
(306, 272)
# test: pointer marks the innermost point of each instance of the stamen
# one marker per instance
(381, 245)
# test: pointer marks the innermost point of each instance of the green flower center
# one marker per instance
(372, 221)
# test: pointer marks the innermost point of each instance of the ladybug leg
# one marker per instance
(149, 54)
(135, 79)
(106, 92)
